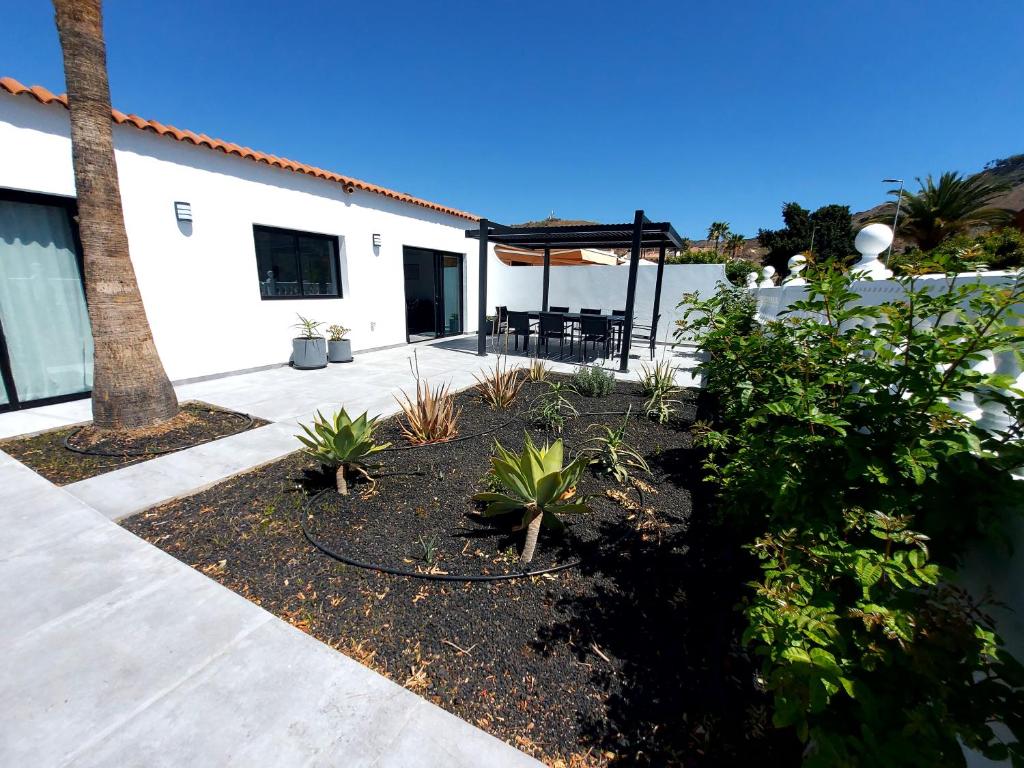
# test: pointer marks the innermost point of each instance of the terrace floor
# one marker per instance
(118, 654)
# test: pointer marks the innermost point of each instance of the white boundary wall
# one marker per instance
(199, 282)
(604, 287)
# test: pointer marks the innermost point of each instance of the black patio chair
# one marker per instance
(597, 330)
(519, 325)
(558, 309)
(553, 326)
(646, 334)
(501, 319)
(589, 311)
(617, 328)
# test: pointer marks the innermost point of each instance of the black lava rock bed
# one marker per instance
(69, 454)
(631, 657)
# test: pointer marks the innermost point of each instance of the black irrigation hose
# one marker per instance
(140, 454)
(416, 574)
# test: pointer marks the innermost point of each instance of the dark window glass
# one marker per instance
(296, 264)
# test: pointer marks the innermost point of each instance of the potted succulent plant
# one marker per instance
(310, 349)
(339, 349)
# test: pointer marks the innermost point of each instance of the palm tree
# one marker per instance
(952, 206)
(735, 241)
(130, 387)
(717, 231)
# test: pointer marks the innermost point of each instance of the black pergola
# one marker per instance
(641, 234)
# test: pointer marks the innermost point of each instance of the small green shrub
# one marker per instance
(537, 485)
(611, 453)
(593, 381)
(310, 329)
(552, 407)
(342, 444)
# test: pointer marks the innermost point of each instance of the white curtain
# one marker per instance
(42, 302)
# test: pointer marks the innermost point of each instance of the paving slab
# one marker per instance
(116, 653)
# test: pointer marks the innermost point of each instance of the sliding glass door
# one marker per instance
(433, 293)
(45, 339)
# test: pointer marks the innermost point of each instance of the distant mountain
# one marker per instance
(1008, 170)
(554, 221)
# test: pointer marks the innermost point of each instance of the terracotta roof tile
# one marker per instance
(44, 96)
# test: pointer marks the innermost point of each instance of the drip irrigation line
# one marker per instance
(159, 452)
(380, 567)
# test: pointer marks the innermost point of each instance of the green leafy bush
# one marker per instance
(536, 484)
(736, 270)
(837, 453)
(996, 249)
(592, 381)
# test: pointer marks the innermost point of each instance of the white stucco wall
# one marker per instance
(604, 287)
(200, 283)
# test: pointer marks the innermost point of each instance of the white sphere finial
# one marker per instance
(752, 280)
(769, 273)
(796, 264)
(870, 243)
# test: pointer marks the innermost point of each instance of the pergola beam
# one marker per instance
(481, 340)
(634, 264)
(547, 279)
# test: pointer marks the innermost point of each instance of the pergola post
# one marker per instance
(547, 277)
(657, 291)
(481, 341)
(634, 265)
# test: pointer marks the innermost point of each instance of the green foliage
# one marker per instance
(535, 484)
(552, 407)
(938, 211)
(661, 375)
(593, 381)
(735, 269)
(836, 451)
(996, 249)
(310, 329)
(658, 383)
(611, 453)
(830, 225)
(428, 549)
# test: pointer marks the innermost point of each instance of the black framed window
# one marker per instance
(296, 265)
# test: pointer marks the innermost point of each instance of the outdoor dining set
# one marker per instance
(587, 326)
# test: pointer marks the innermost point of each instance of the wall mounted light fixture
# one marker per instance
(376, 241)
(183, 211)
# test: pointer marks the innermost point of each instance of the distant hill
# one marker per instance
(1008, 170)
(554, 221)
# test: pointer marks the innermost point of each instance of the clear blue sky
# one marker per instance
(692, 110)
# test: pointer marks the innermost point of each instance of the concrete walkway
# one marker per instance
(117, 654)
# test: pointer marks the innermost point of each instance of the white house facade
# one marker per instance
(222, 290)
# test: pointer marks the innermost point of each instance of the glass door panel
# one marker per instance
(43, 315)
(451, 293)
(420, 294)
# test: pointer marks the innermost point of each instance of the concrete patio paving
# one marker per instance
(118, 654)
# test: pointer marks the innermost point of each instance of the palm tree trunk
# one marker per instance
(130, 387)
(532, 531)
(339, 480)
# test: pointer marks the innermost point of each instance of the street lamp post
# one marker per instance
(896, 218)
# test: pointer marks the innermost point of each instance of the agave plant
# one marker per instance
(342, 444)
(432, 417)
(499, 387)
(536, 484)
(613, 454)
(660, 376)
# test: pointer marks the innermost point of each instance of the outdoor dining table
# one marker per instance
(616, 321)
